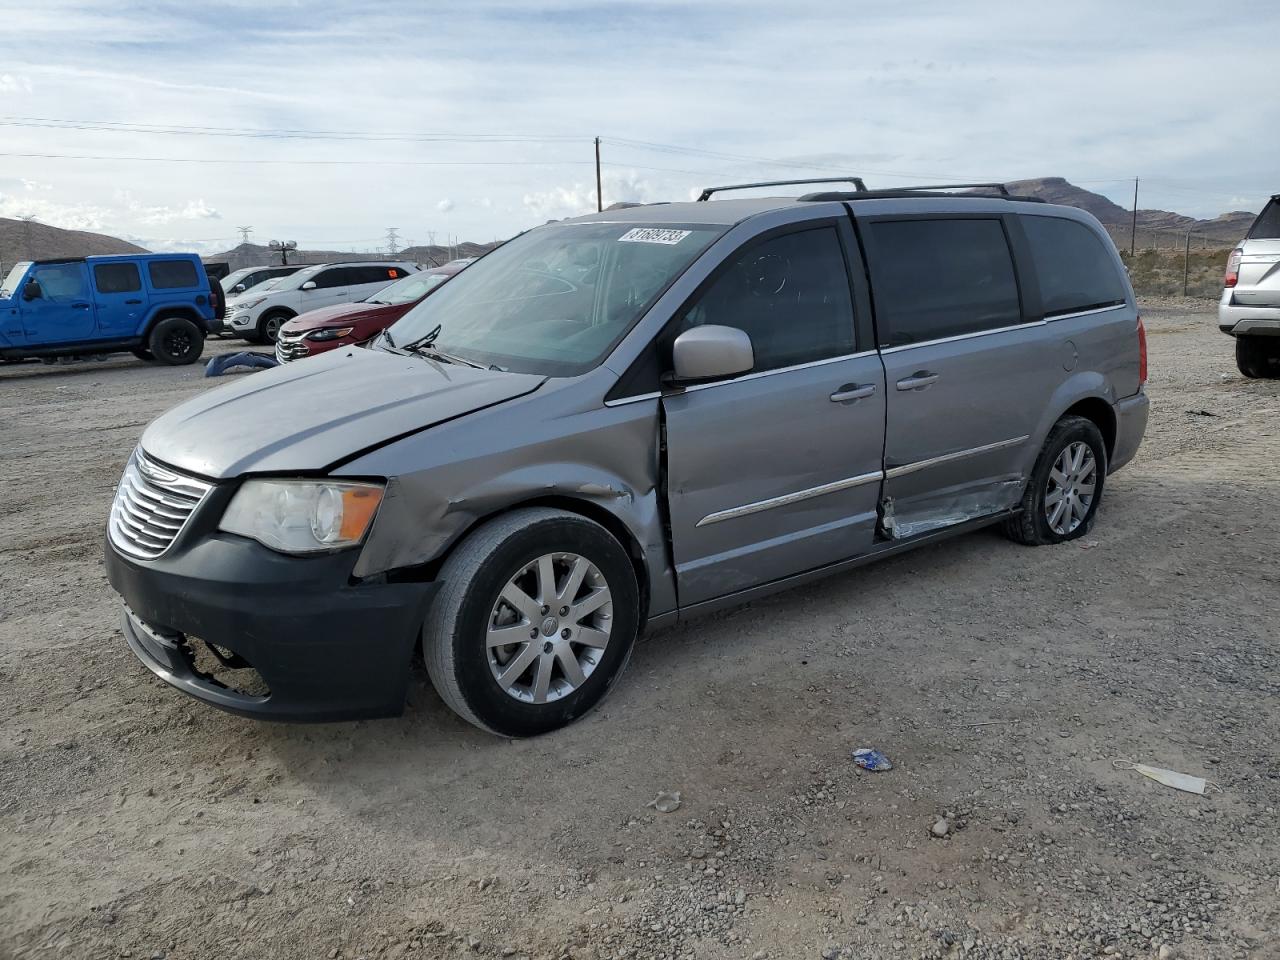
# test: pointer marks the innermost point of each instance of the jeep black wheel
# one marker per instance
(175, 341)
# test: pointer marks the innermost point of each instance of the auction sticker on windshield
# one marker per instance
(653, 235)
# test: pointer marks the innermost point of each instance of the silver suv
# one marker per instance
(613, 422)
(1250, 305)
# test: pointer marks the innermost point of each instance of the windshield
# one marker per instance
(557, 299)
(9, 287)
(412, 287)
(231, 279)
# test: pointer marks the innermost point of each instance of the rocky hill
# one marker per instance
(20, 240)
(1152, 224)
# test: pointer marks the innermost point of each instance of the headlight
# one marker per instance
(302, 516)
(248, 304)
(331, 333)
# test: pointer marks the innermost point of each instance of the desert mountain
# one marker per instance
(20, 240)
(253, 254)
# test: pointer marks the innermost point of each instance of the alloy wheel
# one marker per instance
(1072, 483)
(549, 627)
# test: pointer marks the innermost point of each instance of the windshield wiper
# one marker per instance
(424, 346)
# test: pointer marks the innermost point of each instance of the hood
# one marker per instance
(343, 313)
(306, 416)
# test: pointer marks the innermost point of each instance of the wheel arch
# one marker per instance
(167, 312)
(1089, 395)
(1103, 415)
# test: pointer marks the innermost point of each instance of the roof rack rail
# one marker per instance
(856, 181)
(1004, 191)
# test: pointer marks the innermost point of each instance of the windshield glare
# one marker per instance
(412, 287)
(9, 287)
(557, 299)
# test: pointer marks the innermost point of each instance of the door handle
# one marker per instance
(918, 380)
(79, 306)
(133, 302)
(852, 391)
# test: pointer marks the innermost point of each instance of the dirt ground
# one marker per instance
(1001, 680)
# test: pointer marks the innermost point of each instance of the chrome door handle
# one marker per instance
(853, 392)
(918, 380)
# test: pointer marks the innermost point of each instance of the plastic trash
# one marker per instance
(1170, 778)
(219, 365)
(665, 802)
(871, 759)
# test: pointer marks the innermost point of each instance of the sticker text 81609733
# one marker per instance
(654, 235)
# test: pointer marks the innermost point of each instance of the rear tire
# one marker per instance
(1067, 482)
(580, 631)
(175, 341)
(142, 353)
(1258, 357)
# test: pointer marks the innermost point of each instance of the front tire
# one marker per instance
(176, 341)
(534, 624)
(1065, 489)
(269, 326)
(1258, 357)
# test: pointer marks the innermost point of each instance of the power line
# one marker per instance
(359, 163)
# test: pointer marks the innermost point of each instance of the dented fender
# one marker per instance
(538, 448)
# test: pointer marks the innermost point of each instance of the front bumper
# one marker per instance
(238, 324)
(325, 647)
(1131, 426)
(1247, 319)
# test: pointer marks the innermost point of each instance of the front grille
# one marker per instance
(151, 507)
(287, 350)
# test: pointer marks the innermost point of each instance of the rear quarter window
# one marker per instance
(937, 278)
(1076, 271)
(173, 274)
(117, 277)
(1267, 226)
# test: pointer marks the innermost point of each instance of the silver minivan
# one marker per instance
(614, 422)
(1250, 306)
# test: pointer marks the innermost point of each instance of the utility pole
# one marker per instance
(26, 234)
(244, 234)
(1186, 264)
(599, 194)
(393, 240)
(1133, 236)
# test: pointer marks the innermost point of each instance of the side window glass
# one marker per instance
(61, 282)
(1076, 272)
(173, 274)
(941, 278)
(790, 294)
(337, 277)
(117, 277)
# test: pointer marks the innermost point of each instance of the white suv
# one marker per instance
(258, 314)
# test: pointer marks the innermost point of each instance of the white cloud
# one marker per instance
(444, 206)
(573, 201)
(11, 84)
(156, 214)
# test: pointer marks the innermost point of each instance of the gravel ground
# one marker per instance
(1001, 680)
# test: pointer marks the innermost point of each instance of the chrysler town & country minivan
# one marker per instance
(617, 421)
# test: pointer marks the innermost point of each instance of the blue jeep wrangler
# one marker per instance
(158, 306)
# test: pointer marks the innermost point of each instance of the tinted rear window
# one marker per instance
(941, 278)
(1267, 226)
(171, 274)
(117, 277)
(1075, 269)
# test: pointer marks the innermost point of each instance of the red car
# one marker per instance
(347, 323)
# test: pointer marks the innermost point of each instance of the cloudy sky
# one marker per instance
(175, 123)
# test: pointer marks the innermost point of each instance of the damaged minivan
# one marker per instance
(614, 422)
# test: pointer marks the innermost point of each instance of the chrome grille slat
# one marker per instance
(151, 507)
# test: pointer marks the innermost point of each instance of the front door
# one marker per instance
(119, 298)
(332, 286)
(61, 310)
(967, 377)
(777, 471)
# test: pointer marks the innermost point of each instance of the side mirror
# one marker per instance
(238, 288)
(309, 285)
(31, 290)
(711, 352)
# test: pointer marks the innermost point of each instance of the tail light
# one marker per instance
(1142, 353)
(1233, 268)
